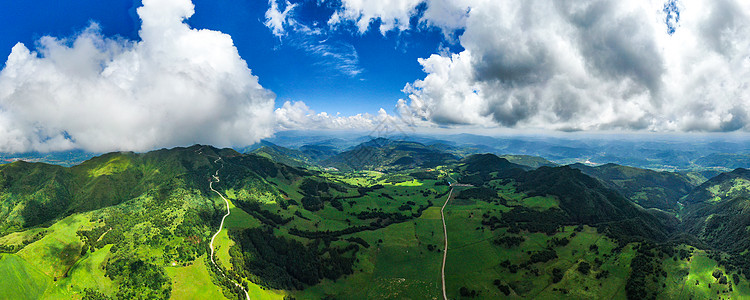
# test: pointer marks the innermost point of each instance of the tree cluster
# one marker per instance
(645, 273)
(139, 279)
(282, 263)
(509, 241)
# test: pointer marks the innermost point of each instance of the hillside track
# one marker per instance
(215, 179)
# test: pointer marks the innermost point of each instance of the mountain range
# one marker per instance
(328, 219)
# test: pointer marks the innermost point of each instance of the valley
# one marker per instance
(215, 179)
(202, 222)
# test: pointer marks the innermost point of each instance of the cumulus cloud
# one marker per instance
(297, 115)
(176, 86)
(659, 65)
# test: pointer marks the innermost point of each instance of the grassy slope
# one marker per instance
(237, 219)
(21, 280)
(528, 160)
(59, 250)
(717, 210)
(88, 272)
(684, 274)
(193, 282)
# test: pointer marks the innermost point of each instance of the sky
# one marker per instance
(140, 75)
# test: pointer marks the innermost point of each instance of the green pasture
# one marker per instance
(57, 251)
(20, 279)
(193, 282)
(88, 272)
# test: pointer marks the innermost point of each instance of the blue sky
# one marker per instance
(387, 63)
(238, 71)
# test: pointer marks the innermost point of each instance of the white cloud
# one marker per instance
(338, 56)
(314, 39)
(580, 65)
(298, 116)
(177, 86)
(448, 15)
(393, 14)
(276, 18)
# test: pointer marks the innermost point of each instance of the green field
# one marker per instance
(694, 279)
(193, 282)
(56, 253)
(541, 203)
(21, 280)
(221, 245)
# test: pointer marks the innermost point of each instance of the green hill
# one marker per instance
(319, 152)
(583, 198)
(136, 211)
(724, 161)
(488, 163)
(385, 154)
(551, 201)
(648, 188)
(528, 160)
(153, 210)
(725, 186)
(718, 211)
(283, 155)
(36, 193)
(579, 199)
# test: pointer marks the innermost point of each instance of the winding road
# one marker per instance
(215, 178)
(445, 235)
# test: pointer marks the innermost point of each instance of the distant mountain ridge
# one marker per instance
(291, 157)
(383, 154)
(62, 158)
(661, 152)
(725, 160)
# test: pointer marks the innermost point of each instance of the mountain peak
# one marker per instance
(489, 163)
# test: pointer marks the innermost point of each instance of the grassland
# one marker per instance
(693, 278)
(258, 292)
(193, 282)
(222, 245)
(59, 249)
(21, 280)
(541, 203)
(383, 228)
(115, 165)
(86, 273)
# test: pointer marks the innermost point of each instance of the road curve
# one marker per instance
(445, 236)
(226, 202)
